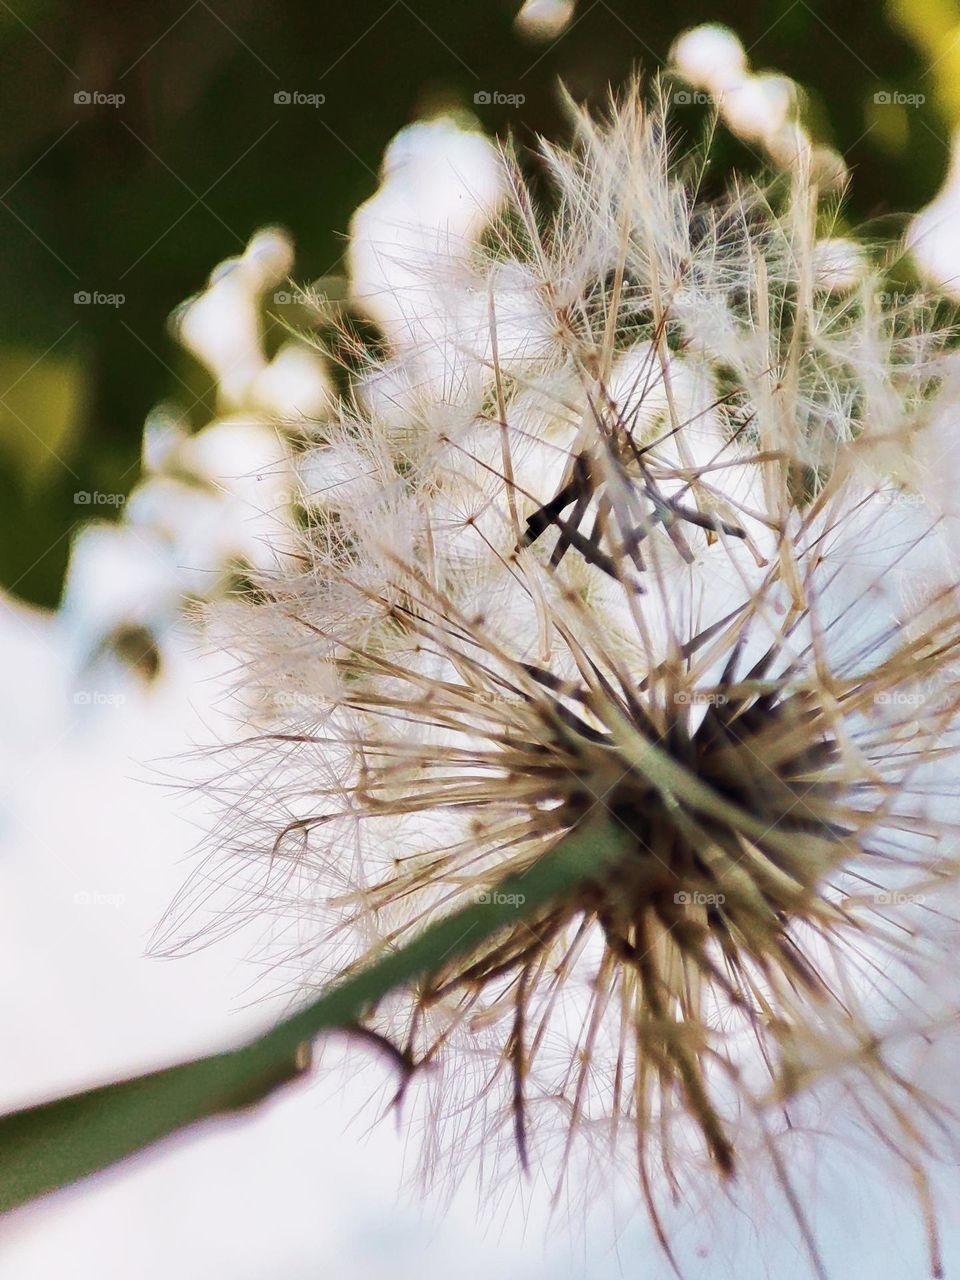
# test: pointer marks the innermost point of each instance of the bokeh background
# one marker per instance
(141, 197)
(140, 147)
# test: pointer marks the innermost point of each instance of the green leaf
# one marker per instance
(51, 1145)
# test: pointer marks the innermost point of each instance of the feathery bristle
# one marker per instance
(618, 547)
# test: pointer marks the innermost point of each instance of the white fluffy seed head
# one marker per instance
(610, 532)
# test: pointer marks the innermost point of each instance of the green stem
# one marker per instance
(56, 1143)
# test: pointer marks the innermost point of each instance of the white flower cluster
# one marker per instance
(214, 502)
(762, 108)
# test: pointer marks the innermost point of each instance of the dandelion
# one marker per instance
(618, 533)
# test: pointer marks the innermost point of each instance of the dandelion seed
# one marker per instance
(645, 570)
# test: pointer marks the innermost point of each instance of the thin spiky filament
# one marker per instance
(744, 802)
(620, 576)
(683, 890)
(580, 493)
(744, 760)
(638, 505)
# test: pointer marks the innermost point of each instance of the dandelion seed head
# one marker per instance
(614, 527)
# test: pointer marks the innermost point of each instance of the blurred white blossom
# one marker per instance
(545, 19)
(215, 502)
(933, 237)
(222, 325)
(762, 108)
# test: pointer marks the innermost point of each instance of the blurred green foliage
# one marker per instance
(144, 197)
